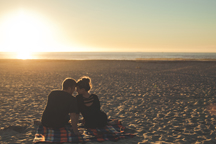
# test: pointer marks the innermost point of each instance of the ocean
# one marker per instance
(109, 55)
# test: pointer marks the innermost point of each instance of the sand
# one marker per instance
(159, 101)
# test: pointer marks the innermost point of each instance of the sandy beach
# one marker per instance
(159, 101)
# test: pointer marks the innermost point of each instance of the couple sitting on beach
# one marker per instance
(62, 107)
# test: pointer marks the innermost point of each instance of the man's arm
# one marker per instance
(77, 118)
(73, 117)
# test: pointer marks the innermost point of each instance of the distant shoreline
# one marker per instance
(137, 59)
(172, 59)
(113, 56)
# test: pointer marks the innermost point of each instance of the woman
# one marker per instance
(89, 105)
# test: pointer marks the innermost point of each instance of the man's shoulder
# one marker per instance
(56, 91)
(59, 92)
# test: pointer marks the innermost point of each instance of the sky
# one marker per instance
(108, 25)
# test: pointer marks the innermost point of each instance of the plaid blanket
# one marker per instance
(112, 132)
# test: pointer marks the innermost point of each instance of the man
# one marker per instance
(60, 104)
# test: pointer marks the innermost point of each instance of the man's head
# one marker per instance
(69, 85)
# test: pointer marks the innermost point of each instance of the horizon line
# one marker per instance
(101, 52)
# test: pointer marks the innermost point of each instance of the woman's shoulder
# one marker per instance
(94, 96)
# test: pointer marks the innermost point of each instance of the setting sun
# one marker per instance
(25, 32)
(24, 55)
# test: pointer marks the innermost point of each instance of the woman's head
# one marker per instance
(84, 83)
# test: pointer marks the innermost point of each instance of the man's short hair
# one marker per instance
(67, 83)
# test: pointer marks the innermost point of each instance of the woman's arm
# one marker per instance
(97, 102)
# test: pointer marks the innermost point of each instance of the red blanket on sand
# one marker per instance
(112, 132)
